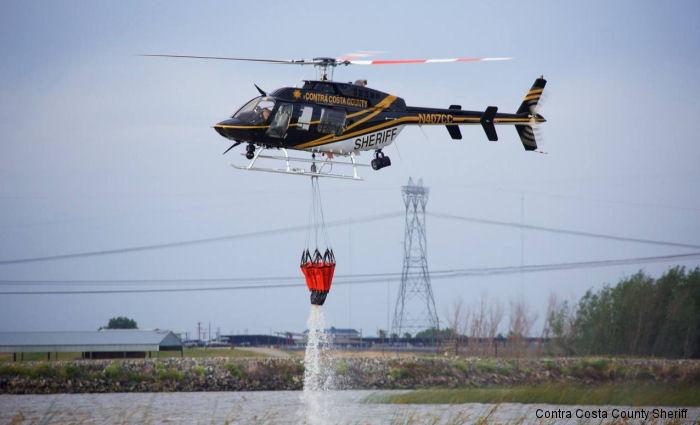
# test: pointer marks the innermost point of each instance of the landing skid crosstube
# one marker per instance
(317, 169)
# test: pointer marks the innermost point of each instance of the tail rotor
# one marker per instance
(529, 106)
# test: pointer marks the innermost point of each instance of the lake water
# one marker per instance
(270, 408)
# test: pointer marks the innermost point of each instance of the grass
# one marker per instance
(231, 353)
(629, 394)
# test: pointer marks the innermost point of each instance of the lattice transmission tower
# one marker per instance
(415, 306)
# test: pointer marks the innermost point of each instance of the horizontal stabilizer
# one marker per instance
(487, 123)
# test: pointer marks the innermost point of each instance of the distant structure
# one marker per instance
(102, 344)
(415, 306)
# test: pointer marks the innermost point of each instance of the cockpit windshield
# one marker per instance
(256, 112)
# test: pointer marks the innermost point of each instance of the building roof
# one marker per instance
(102, 340)
(338, 331)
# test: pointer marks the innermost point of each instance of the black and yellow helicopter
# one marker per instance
(332, 119)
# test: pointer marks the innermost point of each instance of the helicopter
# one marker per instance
(336, 119)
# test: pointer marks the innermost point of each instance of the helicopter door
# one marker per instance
(280, 122)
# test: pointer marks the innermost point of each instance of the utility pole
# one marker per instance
(199, 331)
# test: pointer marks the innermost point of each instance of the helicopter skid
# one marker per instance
(316, 169)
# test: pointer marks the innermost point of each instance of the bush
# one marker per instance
(169, 373)
(485, 366)
(113, 371)
(12, 370)
(42, 371)
(70, 371)
(460, 366)
(234, 370)
(600, 365)
(645, 373)
(341, 368)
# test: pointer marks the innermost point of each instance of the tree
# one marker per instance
(457, 319)
(432, 333)
(521, 321)
(121, 322)
(642, 316)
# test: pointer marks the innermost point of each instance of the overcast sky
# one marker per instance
(101, 149)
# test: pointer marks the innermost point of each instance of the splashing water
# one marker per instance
(318, 371)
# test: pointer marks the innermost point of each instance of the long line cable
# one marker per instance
(391, 277)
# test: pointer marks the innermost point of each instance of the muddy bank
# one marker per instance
(219, 374)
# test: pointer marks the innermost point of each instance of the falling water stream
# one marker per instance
(319, 376)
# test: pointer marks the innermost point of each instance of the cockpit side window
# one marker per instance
(332, 121)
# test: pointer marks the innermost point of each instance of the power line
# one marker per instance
(247, 280)
(367, 219)
(192, 242)
(388, 277)
(561, 231)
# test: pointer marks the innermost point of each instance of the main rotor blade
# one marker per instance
(280, 61)
(409, 61)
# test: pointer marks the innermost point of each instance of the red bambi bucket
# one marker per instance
(318, 270)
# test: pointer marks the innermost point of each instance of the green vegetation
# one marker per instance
(504, 370)
(444, 334)
(409, 369)
(168, 373)
(234, 369)
(460, 366)
(628, 394)
(42, 370)
(70, 371)
(209, 352)
(12, 370)
(640, 316)
(113, 371)
(341, 368)
(122, 322)
(485, 366)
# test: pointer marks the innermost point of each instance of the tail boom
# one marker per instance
(524, 120)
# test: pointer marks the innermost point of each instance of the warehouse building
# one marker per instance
(102, 344)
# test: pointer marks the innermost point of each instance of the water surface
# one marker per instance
(262, 407)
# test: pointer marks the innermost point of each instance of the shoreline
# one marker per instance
(377, 373)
